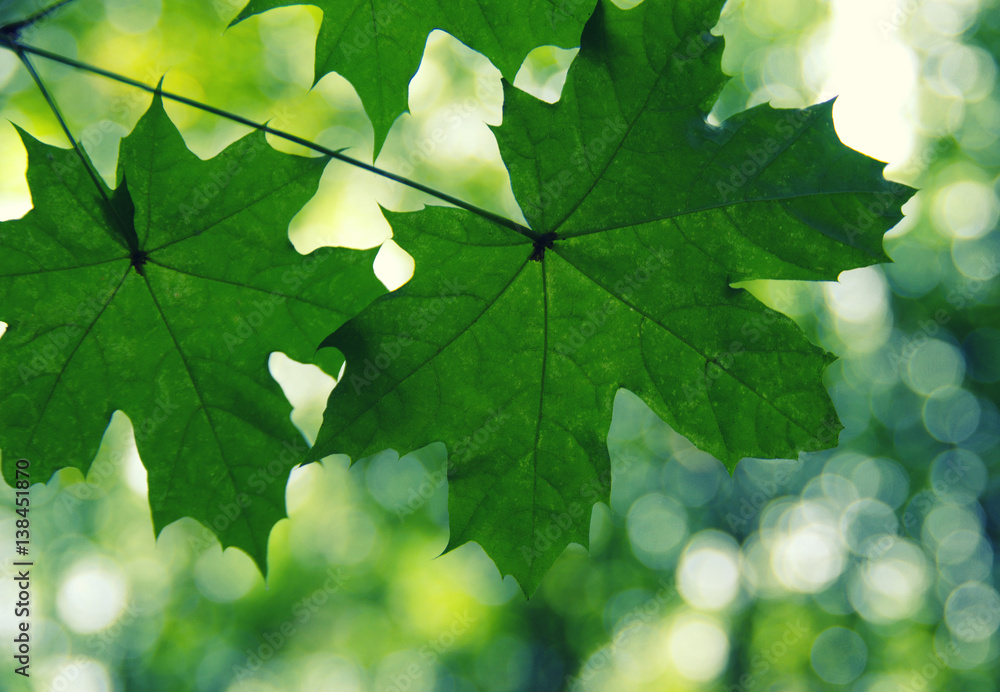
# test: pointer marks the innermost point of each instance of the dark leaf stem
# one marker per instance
(124, 227)
(13, 30)
(21, 49)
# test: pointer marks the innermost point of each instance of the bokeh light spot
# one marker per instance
(698, 647)
(92, 595)
(972, 612)
(965, 209)
(934, 364)
(951, 414)
(839, 655)
(708, 575)
(656, 527)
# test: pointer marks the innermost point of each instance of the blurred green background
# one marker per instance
(869, 567)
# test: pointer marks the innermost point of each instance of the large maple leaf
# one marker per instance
(165, 304)
(376, 44)
(510, 346)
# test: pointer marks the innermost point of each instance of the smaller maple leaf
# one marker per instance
(166, 304)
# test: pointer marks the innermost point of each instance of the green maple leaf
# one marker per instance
(376, 44)
(167, 310)
(510, 347)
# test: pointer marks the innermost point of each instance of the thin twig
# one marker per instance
(130, 238)
(13, 30)
(335, 154)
